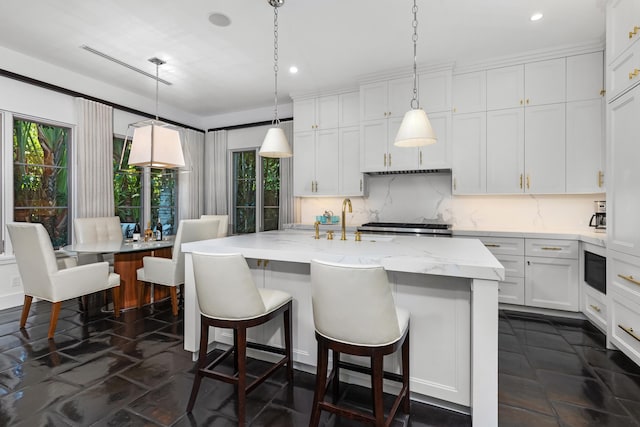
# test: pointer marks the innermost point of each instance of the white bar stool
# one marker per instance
(354, 313)
(228, 298)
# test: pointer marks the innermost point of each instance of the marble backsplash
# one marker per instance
(426, 197)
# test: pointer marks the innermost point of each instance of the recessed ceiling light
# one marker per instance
(536, 16)
(293, 69)
(219, 19)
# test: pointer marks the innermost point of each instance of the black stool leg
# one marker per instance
(376, 387)
(241, 351)
(288, 325)
(202, 361)
(321, 383)
(405, 373)
(336, 375)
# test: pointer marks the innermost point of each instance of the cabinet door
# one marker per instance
(304, 163)
(327, 112)
(623, 73)
(327, 162)
(545, 82)
(505, 151)
(435, 91)
(373, 146)
(399, 158)
(622, 21)
(545, 149)
(399, 97)
(469, 153)
(470, 92)
(373, 101)
(585, 146)
(552, 283)
(351, 179)
(623, 230)
(349, 109)
(438, 155)
(505, 87)
(585, 77)
(511, 290)
(304, 115)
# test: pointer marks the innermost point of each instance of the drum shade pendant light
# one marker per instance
(415, 129)
(275, 143)
(155, 143)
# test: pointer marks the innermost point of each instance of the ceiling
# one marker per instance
(217, 70)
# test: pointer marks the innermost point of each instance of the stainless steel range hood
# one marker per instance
(413, 172)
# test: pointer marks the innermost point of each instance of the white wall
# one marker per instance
(423, 197)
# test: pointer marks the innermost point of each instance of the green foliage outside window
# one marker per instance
(127, 186)
(40, 177)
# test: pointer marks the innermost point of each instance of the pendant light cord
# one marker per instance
(157, 87)
(275, 121)
(415, 104)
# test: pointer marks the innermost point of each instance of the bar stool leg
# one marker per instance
(376, 388)
(321, 382)
(288, 326)
(405, 374)
(241, 350)
(202, 361)
(336, 375)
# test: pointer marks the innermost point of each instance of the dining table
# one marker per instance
(127, 259)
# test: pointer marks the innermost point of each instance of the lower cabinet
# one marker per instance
(623, 288)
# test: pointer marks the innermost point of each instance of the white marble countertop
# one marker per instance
(444, 257)
(581, 234)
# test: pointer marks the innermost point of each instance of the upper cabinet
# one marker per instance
(434, 91)
(349, 109)
(316, 113)
(470, 92)
(585, 77)
(382, 100)
(505, 87)
(623, 27)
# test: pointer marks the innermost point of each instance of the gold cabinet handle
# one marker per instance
(385, 159)
(528, 182)
(455, 186)
(266, 262)
(629, 279)
(633, 32)
(492, 245)
(389, 159)
(521, 102)
(420, 157)
(550, 248)
(630, 331)
(602, 92)
(259, 262)
(455, 109)
(521, 181)
(595, 307)
(527, 101)
(600, 178)
(633, 73)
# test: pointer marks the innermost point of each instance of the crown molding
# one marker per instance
(398, 73)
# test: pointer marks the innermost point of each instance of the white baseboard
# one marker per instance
(12, 300)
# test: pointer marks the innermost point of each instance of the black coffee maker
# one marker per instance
(599, 218)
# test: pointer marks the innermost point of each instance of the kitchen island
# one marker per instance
(449, 285)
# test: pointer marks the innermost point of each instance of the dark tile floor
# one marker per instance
(133, 372)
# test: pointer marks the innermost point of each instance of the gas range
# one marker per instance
(404, 228)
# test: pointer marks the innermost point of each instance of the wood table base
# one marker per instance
(126, 265)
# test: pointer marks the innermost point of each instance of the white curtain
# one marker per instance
(215, 174)
(94, 154)
(190, 181)
(287, 213)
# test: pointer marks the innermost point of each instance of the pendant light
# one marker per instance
(415, 129)
(155, 143)
(275, 143)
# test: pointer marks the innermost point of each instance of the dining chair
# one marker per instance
(223, 228)
(354, 313)
(94, 230)
(228, 298)
(170, 271)
(43, 278)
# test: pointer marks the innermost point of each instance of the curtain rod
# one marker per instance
(59, 89)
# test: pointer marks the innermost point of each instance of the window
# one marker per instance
(130, 193)
(41, 177)
(255, 207)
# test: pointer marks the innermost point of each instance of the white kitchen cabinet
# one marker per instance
(585, 146)
(316, 113)
(351, 179)
(544, 149)
(623, 177)
(585, 77)
(505, 151)
(505, 87)
(623, 289)
(385, 99)
(552, 274)
(377, 152)
(545, 82)
(434, 92)
(315, 165)
(349, 109)
(624, 72)
(469, 142)
(438, 155)
(623, 26)
(470, 92)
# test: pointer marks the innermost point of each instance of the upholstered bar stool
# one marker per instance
(228, 298)
(223, 228)
(354, 313)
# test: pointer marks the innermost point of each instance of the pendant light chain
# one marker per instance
(415, 104)
(157, 87)
(275, 121)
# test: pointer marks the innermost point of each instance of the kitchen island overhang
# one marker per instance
(449, 285)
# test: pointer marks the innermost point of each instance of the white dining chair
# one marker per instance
(42, 278)
(223, 228)
(354, 313)
(97, 230)
(170, 271)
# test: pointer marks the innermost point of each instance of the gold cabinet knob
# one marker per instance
(633, 73)
(521, 102)
(527, 101)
